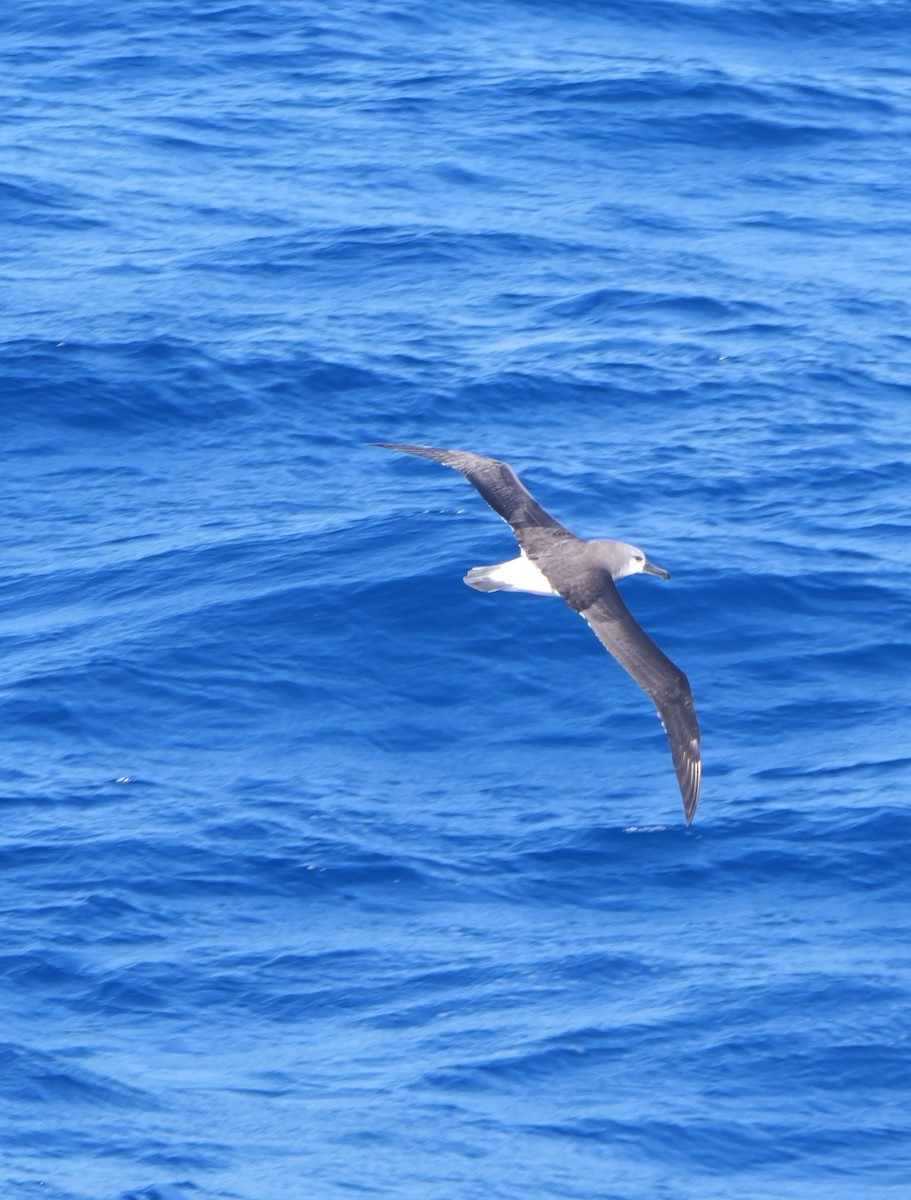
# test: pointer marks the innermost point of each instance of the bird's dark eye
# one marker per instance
(639, 558)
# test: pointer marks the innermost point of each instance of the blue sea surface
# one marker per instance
(322, 875)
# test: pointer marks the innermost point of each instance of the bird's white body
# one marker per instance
(518, 575)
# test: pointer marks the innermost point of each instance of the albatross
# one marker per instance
(554, 562)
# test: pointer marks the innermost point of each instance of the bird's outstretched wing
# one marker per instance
(621, 634)
(498, 484)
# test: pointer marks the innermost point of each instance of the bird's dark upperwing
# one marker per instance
(617, 629)
(498, 484)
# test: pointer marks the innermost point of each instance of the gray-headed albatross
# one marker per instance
(554, 562)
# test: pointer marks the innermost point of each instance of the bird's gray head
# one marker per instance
(622, 559)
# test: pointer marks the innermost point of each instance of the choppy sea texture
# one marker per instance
(322, 875)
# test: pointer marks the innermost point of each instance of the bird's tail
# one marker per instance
(482, 578)
(518, 575)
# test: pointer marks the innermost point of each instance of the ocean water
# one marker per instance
(322, 875)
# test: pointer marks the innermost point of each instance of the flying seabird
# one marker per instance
(554, 562)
